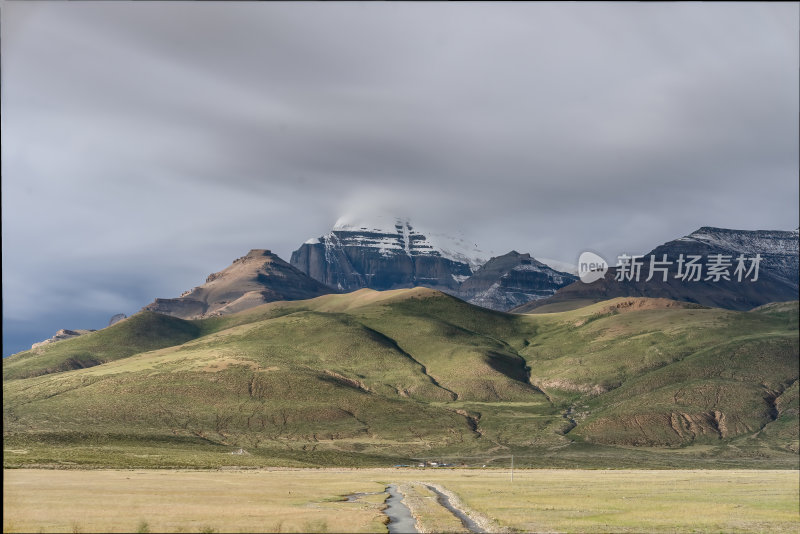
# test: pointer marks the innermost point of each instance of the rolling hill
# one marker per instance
(379, 377)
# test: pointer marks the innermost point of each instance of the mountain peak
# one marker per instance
(512, 279)
(777, 273)
(256, 278)
(385, 251)
(394, 234)
(378, 223)
(259, 252)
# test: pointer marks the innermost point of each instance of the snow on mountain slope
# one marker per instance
(747, 241)
(558, 265)
(778, 248)
(381, 252)
(390, 234)
(777, 280)
(385, 252)
(510, 280)
(458, 249)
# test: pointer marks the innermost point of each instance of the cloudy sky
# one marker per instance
(146, 145)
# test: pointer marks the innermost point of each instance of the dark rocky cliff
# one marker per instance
(384, 257)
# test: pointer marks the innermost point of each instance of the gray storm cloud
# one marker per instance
(148, 144)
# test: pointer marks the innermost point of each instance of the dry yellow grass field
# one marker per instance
(187, 501)
(283, 500)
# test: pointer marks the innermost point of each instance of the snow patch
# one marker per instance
(748, 241)
(458, 249)
(559, 265)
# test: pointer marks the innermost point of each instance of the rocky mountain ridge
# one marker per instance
(390, 253)
(355, 255)
(61, 335)
(777, 273)
(507, 281)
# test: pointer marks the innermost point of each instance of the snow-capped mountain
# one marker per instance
(386, 253)
(778, 249)
(777, 280)
(390, 252)
(411, 240)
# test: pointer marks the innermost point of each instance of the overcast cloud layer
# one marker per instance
(147, 145)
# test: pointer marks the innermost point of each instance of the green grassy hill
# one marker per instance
(370, 378)
(142, 332)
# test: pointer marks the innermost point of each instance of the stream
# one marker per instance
(400, 519)
(444, 500)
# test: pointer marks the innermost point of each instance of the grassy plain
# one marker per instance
(312, 500)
